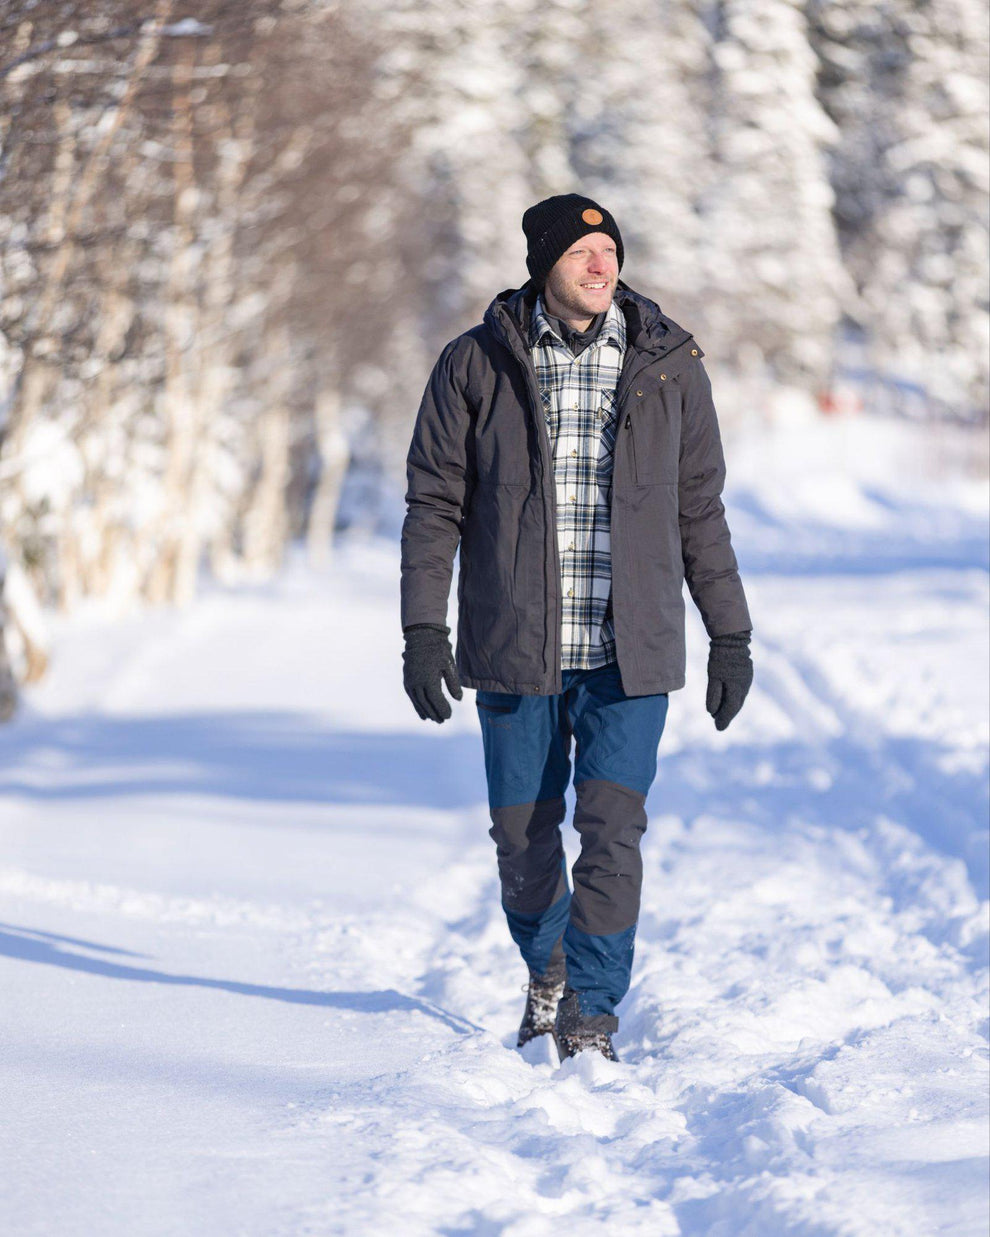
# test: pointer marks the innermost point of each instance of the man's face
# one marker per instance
(584, 279)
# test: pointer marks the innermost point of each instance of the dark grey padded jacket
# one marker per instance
(480, 474)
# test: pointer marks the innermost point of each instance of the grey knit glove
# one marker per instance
(730, 674)
(427, 662)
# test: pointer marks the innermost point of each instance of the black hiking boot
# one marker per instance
(575, 1032)
(542, 995)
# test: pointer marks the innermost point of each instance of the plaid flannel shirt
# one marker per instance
(578, 394)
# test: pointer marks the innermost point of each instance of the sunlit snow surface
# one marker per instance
(255, 976)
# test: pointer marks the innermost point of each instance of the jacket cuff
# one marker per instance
(735, 639)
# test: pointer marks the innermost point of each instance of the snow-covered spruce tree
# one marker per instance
(454, 74)
(906, 85)
(769, 267)
(650, 143)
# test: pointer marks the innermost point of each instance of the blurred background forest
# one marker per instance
(234, 236)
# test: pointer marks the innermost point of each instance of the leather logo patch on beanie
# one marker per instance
(553, 225)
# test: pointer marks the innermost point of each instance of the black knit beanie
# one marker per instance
(553, 225)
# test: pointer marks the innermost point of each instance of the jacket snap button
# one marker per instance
(694, 351)
(639, 392)
(627, 420)
(663, 377)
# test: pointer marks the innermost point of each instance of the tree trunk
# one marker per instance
(334, 453)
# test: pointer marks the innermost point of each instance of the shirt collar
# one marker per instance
(613, 328)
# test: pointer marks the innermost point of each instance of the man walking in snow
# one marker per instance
(570, 445)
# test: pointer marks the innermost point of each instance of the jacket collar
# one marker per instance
(612, 329)
(648, 329)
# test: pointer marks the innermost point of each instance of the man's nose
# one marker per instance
(598, 263)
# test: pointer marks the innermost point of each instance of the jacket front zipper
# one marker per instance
(549, 483)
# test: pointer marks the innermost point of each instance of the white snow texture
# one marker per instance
(256, 979)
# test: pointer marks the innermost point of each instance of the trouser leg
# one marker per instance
(616, 739)
(527, 765)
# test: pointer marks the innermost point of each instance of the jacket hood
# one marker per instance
(649, 329)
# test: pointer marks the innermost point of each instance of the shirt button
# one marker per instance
(572, 498)
(574, 451)
(571, 546)
(574, 405)
(570, 592)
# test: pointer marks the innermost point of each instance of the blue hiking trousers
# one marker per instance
(528, 766)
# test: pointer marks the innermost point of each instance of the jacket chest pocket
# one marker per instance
(653, 422)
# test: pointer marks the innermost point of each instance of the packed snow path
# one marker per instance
(256, 980)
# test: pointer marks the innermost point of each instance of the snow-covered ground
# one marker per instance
(255, 976)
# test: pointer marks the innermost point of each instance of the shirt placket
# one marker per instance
(570, 496)
(576, 414)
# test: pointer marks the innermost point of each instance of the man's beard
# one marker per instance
(571, 299)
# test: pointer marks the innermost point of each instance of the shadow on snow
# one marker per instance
(48, 948)
(262, 756)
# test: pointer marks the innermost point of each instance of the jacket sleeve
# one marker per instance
(710, 566)
(439, 471)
